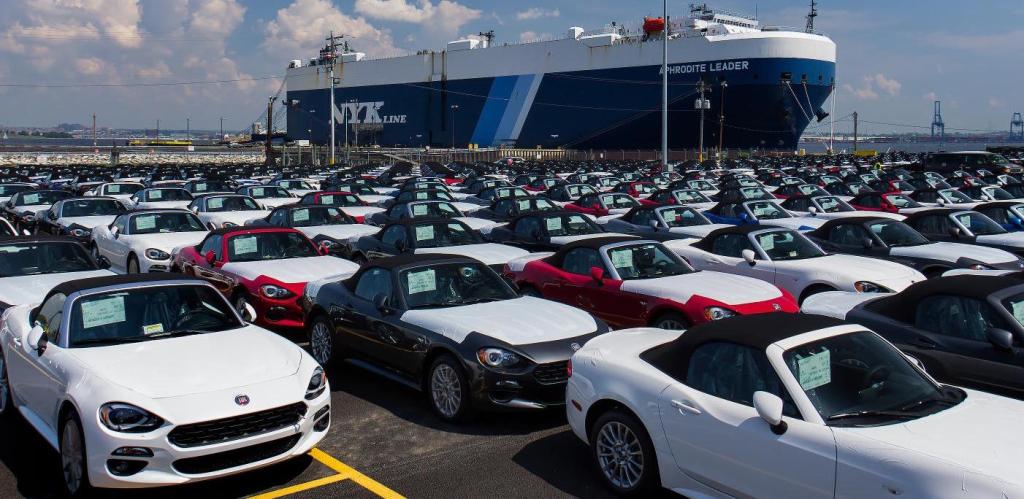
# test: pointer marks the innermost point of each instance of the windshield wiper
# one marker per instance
(174, 334)
(108, 341)
(923, 402)
(871, 414)
(475, 301)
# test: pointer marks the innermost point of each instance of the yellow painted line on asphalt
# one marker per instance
(344, 472)
(348, 472)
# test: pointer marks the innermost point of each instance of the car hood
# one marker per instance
(520, 321)
(1015, 239)
(850, 268)
(835, 303)
(725, 288)
(236, 217)
(87, 222)
(31, 289)
(188, 365)
(951, 252)
(293, 270)
(339, 232)
(993, 446)
(479, 224)
(361, 211)
(489, 253)
(165, 241)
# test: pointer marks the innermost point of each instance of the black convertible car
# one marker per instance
(546, 231)
(451, 327)
(967, 330)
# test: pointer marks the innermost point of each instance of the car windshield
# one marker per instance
(434, 210)
(441, 234)
(269, 246)
(644, 188)
(577, 190)
(832, 204)
(646, 261)
(537, 204)
(612, 201)
(901, 201)
(701, 185)
(359, 189)
(954, 196)
(895, 234)
(452, 285)
(295, 184)
(1015, 305)
(268, 192)
(10, 190)
(231, 203)
(811, 190)
(766, 210)
(569, 225)
(998, 194)
(859, 379)
(209, 186)
(39, 198)
(682, 217)
(319, 215)
(156, 223)
(43, 258)
(690, 196)
(122, 188)
(158, 195)
(858, 188)
(787, 245)
(979, 224)
(755, 193)
(91, 208)
(341, 200)
(148, 313)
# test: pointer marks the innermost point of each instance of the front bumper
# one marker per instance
(173, 465)
(539, 387)
(277, 314)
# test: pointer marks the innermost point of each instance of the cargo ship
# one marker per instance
(602, 89)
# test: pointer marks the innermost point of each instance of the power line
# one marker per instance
(136, 84)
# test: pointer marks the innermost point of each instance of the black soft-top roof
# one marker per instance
(116, 280)
(934, 211)
(541, 214)
(996, 204)
(408, 259)
(756, 331)
(593, 243)
(705, 244)
(38, 238)
(419, 221)
(861, 218)
(225, 231)
(900, 306)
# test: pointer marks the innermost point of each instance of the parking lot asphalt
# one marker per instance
(383, 441)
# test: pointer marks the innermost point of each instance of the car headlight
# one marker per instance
(317, 384)
(870, 287)
(79, 231)
(229, 224)
(275, 292)
(979, 266)
(718, 313)
(127, 418)
(497, 357)
(155, 254)
(327, 243)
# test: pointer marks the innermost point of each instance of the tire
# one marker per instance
(813, 290)
(672, 321)
(527, 290)
(322, 344)
(623, 454)
(448, 389)
(6, 399)
(133, 265)
(73, 457)
(240, 301)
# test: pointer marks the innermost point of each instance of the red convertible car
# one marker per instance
(603, 204)
(633, 283)
(267, 268)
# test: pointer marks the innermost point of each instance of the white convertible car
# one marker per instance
(142, 241)
(791, 261)
(30, 266)
(806, 406)
(130, 379)
(161, 197)
(218, 211)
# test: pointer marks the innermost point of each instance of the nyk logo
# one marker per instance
(364, 112)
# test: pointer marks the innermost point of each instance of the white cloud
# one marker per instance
(888, 85)
(537, 13)
(532, 36)
(89, 66)
(299, 30)
(930, 96)
(994, 103)
(155, 72)
(446, 16)
(872, 85)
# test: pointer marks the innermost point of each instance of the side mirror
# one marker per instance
(37, 339)
(750, 257)
(769, 407)
(380, 302)
(954, 231)
(744, 217)
(114, 232)
(323, 249)
(597, 274)
(655, 225)
(867, 243)
(102, 262)
(813, 210)
(249, 313)
(1001, 338)
(210, 257)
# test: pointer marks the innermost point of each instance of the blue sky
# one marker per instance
(894, 57)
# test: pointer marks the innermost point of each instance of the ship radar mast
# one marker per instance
(811, 15)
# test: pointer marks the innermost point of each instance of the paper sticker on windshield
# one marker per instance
(553, 224)
(146, 222)
(964, 220)
(425, 233)
(258, 192)
(102, 312)
(523, 204)
(419, 210)
(155, 195)
(244, 245)
(622, 259)
(215, 203)
(422, 281)
(767, 242)
(300, 215)
(815, 370)
(152, 329)
(201, 186)
(328, 199)
(1018, 311)
(31, 198)
(422, 195)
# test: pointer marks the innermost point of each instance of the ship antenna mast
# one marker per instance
(489, 36)
(811, 15)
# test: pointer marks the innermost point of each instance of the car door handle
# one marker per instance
(685, 407)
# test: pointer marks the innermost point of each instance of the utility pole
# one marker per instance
(455, 107)
(158, 129)
(855, 117)
(188, 128)
(270, 131)
(664, 89)
(93, 130)
(721, 120)
(702, 104)
(221, 128)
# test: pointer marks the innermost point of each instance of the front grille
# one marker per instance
(237, 457)
(550, 374)
(238, 427)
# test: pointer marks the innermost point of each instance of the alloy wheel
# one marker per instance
(321, 343)
(446, 390)
(133, 266)
(72, 455)
(620, 455)
(671, 324)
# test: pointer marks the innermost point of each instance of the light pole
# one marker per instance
(664, 90)
(702, 104)
(721, 119)
(455, 107)
(346, 117)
